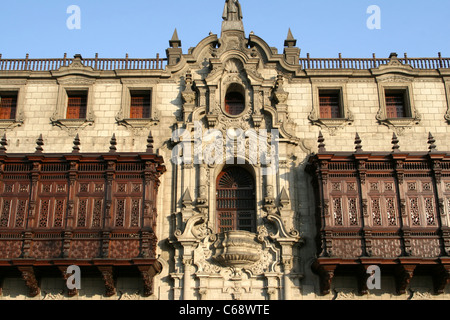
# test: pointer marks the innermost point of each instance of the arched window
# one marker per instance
(234, 103)
(236, 200)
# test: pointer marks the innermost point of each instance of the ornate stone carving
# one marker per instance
(237, 249)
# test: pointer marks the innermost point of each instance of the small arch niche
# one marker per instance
(235, 100)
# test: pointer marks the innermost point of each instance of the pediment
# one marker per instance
(76, 68)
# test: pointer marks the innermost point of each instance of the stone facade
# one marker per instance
(281, 91)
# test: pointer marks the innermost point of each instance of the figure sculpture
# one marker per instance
(232, 11)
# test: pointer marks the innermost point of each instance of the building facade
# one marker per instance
(230, 171)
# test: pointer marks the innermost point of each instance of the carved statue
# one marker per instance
(232, 11)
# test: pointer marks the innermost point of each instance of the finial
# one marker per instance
(290, 40)
(150, 143)
(40, 143)
(431, 142)
(358, 141)
(76, 144)
(395, 146)
(393, 55)
(321, 140)
(187, 199)
(284, 197)
(113, 143)
(3, 144)
(175, 42)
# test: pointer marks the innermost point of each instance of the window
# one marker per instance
(236, 200)
(140, 104)
(395, 104)
(76, 105)
(234, 103)
(8, 105)
(397, 108)
(329, 104)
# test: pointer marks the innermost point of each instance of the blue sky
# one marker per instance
(324, 28)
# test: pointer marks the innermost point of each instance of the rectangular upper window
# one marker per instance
(396, 106)
(140, 105)
(8, 105)
(330, 104)
(76, 104)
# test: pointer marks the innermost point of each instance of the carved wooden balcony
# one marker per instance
(95, 211)
(385, 209)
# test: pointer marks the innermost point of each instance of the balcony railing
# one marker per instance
(369, 63)
(96, 63)
(158, 63)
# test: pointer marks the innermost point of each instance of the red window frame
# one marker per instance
(8, 106)
(140, 105)
(330, 105)
(76, 105)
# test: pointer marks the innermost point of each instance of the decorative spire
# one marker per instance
(3, 144)
(291, 52)
(175, 52)
(290, 41)
(321, 141)
(113, 143)
(150, 143)
(358, 141)
(284, 198)
(395, 146)
(175, 42)
(39, 143)
(187, 199)
(431, 142)
(76, 144)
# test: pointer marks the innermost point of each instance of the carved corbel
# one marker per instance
(363, 276)
(148, 273)
(31, 282)
(65, 275)
(403, 276)
(441, 278)
(108, 279)
(326, 275)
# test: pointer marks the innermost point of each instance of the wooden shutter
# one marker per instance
(76, 107)
(140, 106)
(329, 106)
(395, 105)
(235, 200)
(8, 105)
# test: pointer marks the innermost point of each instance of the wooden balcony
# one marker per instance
(385, 209)
(96, 211)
